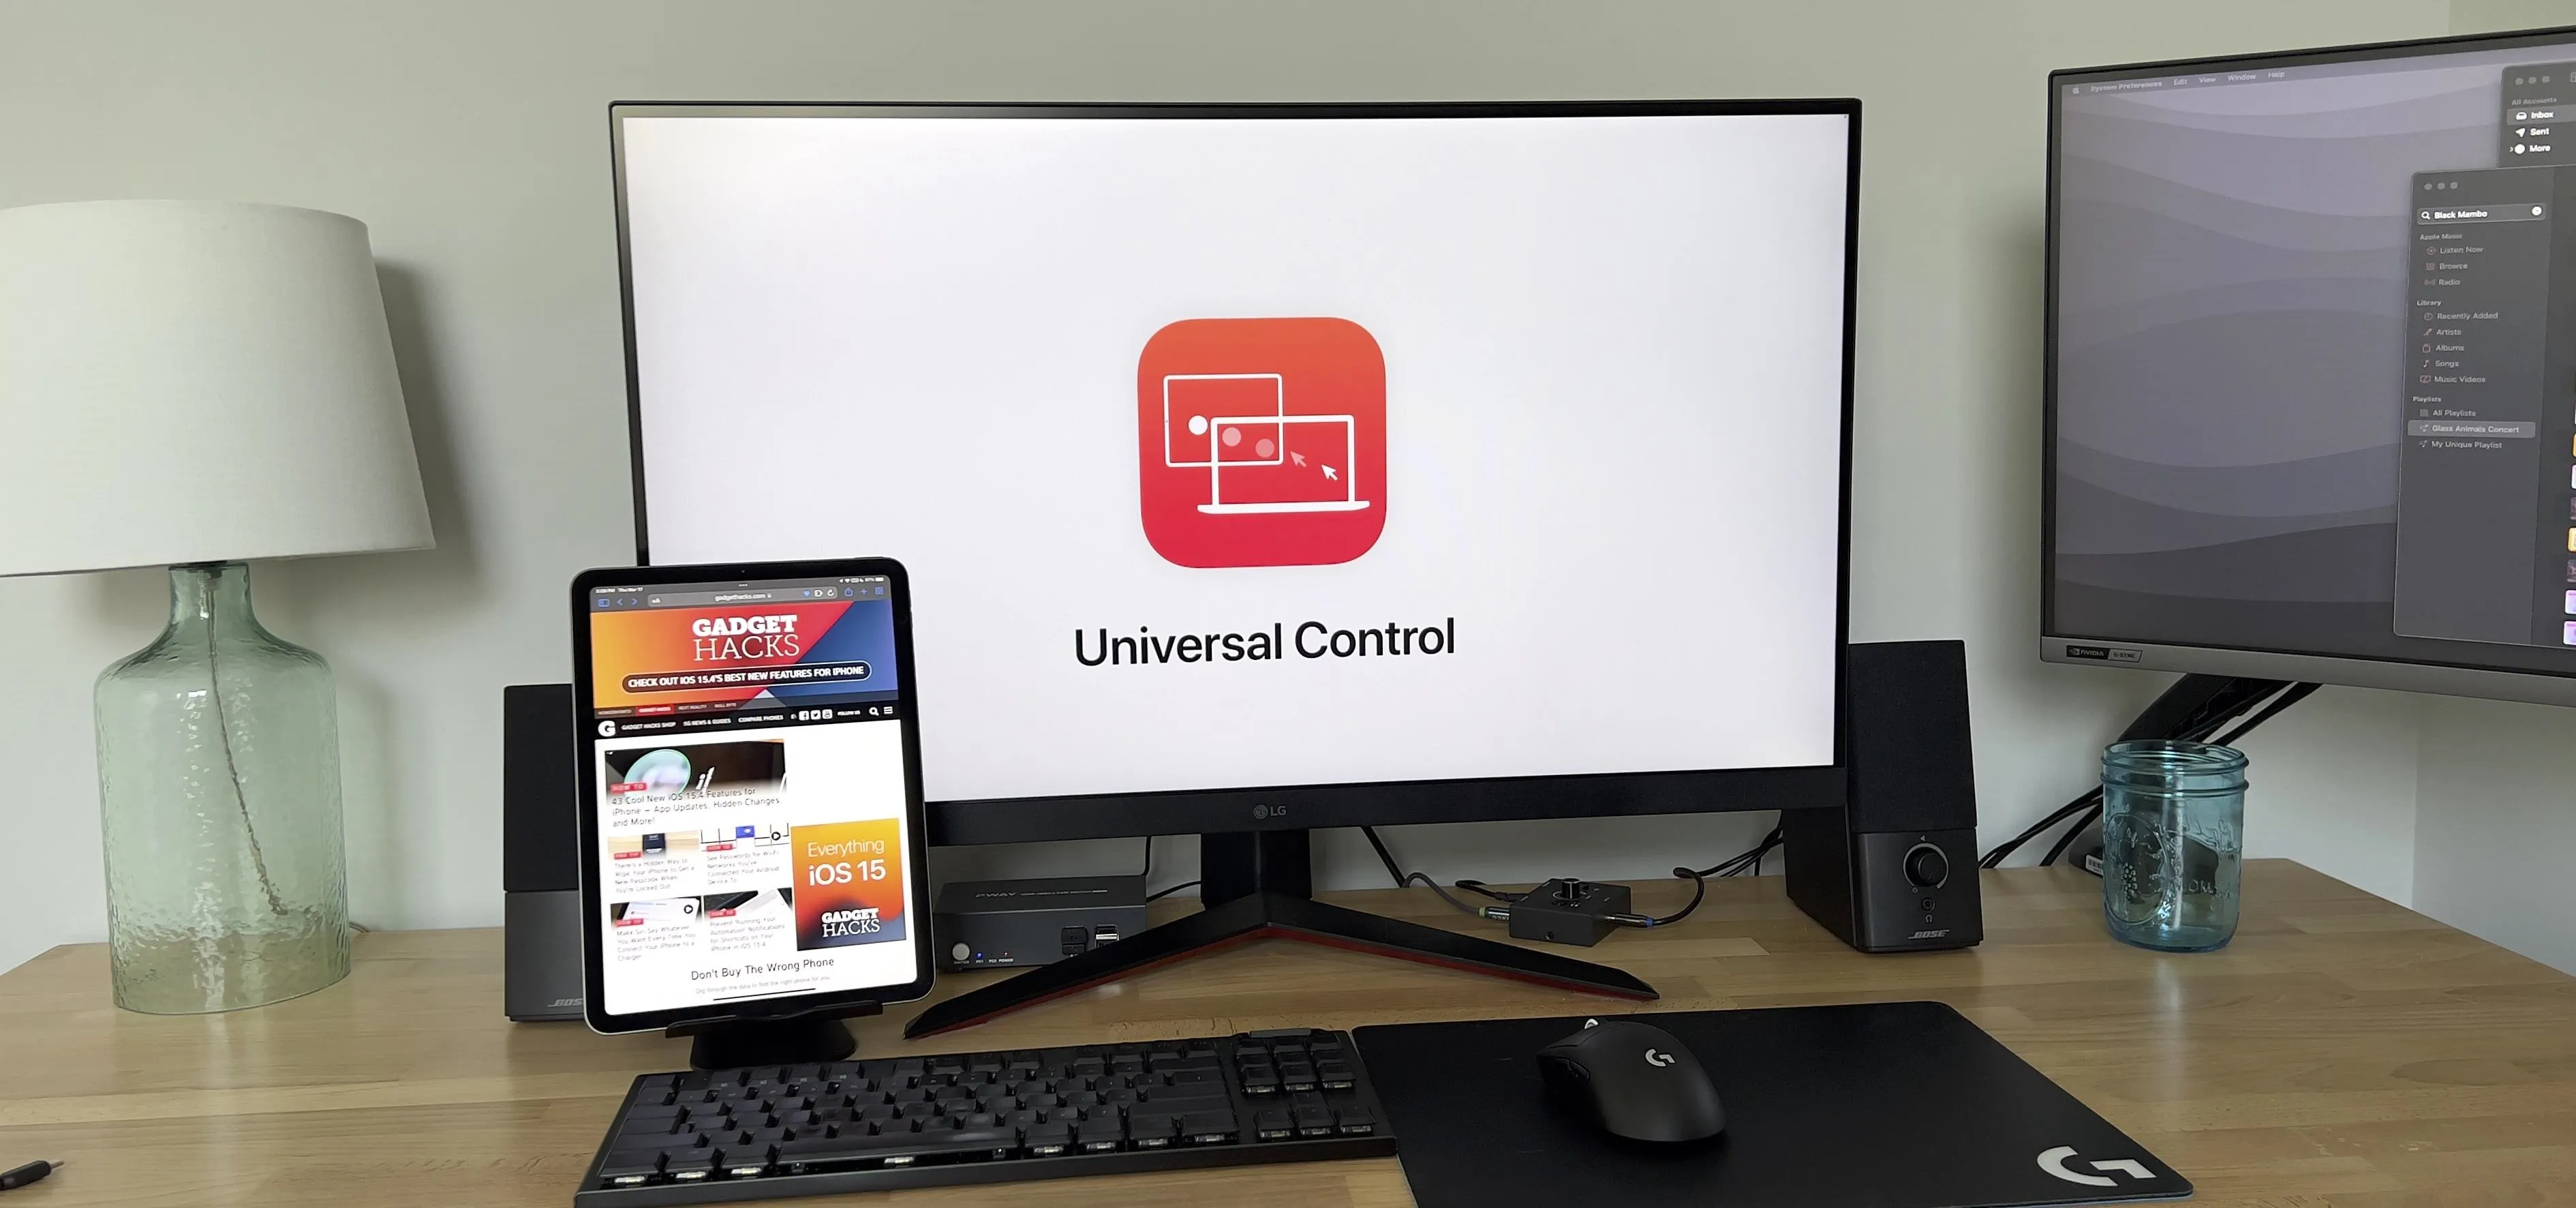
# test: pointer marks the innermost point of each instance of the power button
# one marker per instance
(1926, 866)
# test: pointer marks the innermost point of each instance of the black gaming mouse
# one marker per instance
(1632, 1080)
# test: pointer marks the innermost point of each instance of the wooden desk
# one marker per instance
(2344, 1051)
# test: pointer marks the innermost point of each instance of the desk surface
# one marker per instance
(2343, 1051)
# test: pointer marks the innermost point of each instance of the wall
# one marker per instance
(471, 136)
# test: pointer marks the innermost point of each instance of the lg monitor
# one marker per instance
(1270, 467)
(2310, 413)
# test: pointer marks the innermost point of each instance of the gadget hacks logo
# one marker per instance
(1261, 442)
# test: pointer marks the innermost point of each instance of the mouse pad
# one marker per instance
(1877, 1105)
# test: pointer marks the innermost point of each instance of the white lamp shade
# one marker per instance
(195, 382)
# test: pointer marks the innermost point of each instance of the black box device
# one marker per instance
(1034, 921)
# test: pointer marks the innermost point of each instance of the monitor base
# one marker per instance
(1259, 889)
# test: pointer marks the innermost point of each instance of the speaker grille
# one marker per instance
(538, 790)
(1907, 738)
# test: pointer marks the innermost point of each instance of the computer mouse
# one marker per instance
(1632, 1080)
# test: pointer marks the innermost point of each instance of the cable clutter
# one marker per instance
(2196, 707)
(1568, 910)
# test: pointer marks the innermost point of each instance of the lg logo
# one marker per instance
(1659, 1060)
(2054, 1162)
(1260, 812)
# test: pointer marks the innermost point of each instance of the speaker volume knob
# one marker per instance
(1927, 866)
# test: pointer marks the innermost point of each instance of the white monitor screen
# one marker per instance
(1257, 451)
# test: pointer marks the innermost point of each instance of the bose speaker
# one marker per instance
(1895, 869)
(540, 854)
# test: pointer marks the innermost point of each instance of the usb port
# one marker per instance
(1104, 934)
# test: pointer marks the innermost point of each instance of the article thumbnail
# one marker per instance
(849, 881)
(646, 774)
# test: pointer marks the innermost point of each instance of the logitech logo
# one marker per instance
(2054, 1162)
(1261, 442)
(1659, 1060)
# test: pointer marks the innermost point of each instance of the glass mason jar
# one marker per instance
(2173, 842)
(219, 791)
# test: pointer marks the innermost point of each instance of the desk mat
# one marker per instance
(1879, 1105)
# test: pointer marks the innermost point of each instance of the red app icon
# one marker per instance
(1261, 442)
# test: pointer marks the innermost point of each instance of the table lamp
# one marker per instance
(193, 385)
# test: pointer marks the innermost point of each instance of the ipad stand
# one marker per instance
(728, 1041)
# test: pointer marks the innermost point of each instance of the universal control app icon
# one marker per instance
(1261, 442)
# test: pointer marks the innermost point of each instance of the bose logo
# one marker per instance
(1660, 1060)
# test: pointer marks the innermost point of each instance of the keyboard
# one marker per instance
(709, 1136)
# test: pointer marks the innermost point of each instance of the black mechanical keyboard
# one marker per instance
(707, 1136)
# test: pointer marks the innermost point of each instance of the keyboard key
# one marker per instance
(1354, 1121)
(1208, 1127)
(1151, 1130)
(891, 1148)
(690, 1167)
(1098, 1134)
(1050, 1139)
(1273, 1124)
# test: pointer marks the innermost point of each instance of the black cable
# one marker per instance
(2088, 808)
(2004, 850)
(1403, 878)
(1169, 890)
(1148, 874)
(1699, 890)
(1737, 863)
(1488, 891)
(1393, 869)
(1461, 907)
(2067, 840)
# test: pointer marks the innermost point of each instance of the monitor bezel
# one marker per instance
(1388, 803)
(2058, 645)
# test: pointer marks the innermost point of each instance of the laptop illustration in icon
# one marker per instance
(1260, 458)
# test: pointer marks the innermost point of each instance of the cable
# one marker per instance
(1735, 865)
(1462, 908)
(1699, 890)
(1148, 874)
(1488, 891)
(2197, 728)
(2002, 851)
(1392, 868)
(2067, 840)
(1403, 879)
(1169, 890)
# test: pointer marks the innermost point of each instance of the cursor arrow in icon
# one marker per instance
(1328, 473)
(1299, 458)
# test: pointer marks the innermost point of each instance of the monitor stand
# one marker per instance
(730, 1042)
(1260, 885)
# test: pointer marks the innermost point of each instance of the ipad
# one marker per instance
(751, 821)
